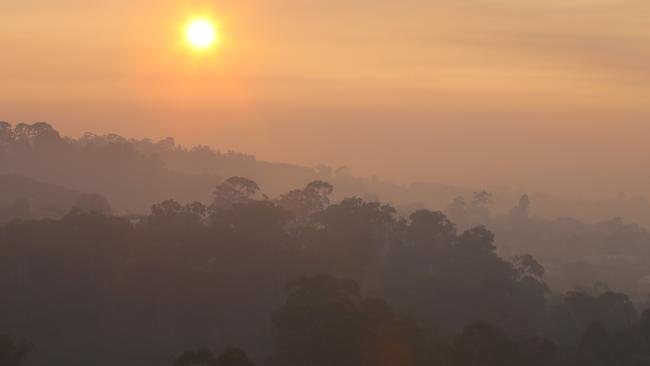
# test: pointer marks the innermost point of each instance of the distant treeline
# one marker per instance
(132, 174)
(294, 281)
(610, 253)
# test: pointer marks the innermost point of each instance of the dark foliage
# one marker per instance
(365, 287)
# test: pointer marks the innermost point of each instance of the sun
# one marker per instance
(201, 33)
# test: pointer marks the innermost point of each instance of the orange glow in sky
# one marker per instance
(513, 85)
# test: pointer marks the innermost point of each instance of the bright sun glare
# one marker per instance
(201, 33)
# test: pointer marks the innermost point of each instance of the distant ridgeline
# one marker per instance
(133, 174)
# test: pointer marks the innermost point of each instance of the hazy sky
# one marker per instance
(549, 95)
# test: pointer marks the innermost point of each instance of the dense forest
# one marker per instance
(293, 280)
(237, 273)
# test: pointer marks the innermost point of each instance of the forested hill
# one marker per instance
(132, 174)
(117, 168)
(26, 198)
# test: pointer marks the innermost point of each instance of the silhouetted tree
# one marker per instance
(320, 323)
(457, 211)
(326, 321)
(235, 190)
(477, 240)
(351, 238)
(307, 201)
(478, 208)
(521, 211)
(430, 228)
(527, 266)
